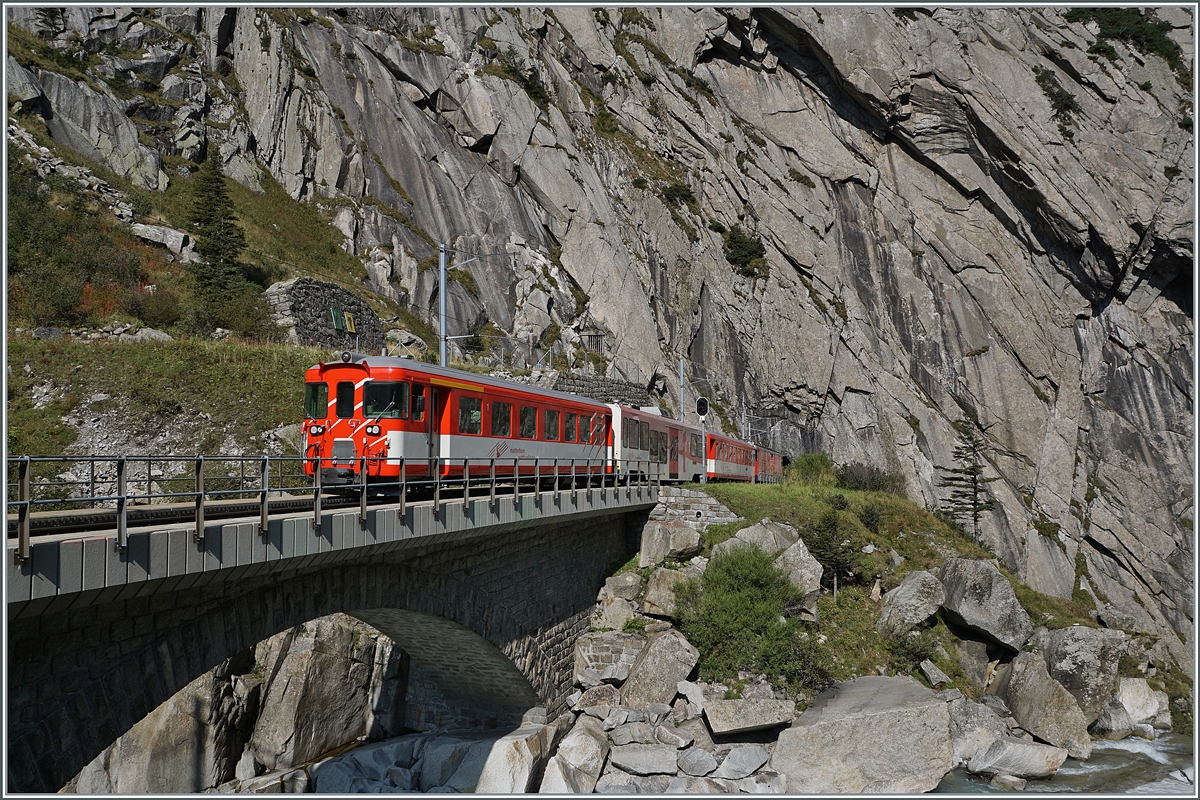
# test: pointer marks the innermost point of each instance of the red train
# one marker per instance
(434, 419)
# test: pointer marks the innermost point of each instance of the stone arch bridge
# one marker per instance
(488, 599)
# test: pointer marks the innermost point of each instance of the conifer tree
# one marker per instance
(219, 241)
(969, 495)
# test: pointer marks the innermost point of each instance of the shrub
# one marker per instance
(834, 547)
(908, 650)
(746, 252)
(733, 614)
(640, 183)
(860, 477)
(634, 625)
(871, 517)
(838, 501)
(1063, 103)
(811, 469)
(677, 193)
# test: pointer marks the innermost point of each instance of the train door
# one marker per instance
(673, 455)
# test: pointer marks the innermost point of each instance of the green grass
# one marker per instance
(246, 388)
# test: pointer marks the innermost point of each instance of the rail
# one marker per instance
(111, 483)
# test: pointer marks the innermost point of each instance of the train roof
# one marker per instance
(449, 373)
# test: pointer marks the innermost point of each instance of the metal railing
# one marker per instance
(201, 481)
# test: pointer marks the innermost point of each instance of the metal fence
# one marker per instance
(113, 482)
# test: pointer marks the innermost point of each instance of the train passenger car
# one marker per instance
(435, 418)
(645, 442)
(768, 466)
(729, 459)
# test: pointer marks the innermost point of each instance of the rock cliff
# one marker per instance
(863, 225)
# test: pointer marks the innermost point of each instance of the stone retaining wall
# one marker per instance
(303, 306)
(606, 390)
(697, 509)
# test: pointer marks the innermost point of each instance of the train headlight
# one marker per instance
(316, 430)
(372, 430)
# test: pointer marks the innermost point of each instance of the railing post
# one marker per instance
(265, 486)
(317, 494)
(466, 483)
(437, 488)
(199, 534)
(537, 482)
(557, 486)
(574, 483)
(23, 509)
(403, 488)
(492, 478)
(362, 495)
(516, 482)
(121, 503)
(92, 483)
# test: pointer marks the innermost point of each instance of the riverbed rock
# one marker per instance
(645, 759)
(667, 659)
(912, 602)
(769, 536)
(730, 717)
(973, 728)
(668, 734)
(741, 761)
(670, 540)
(518, 758)
(979, 597)
(1084, 660)
(1043, 707)
(1022, 758)
(660, 590)
(605, 657)
(1112, 723)
(908, 729)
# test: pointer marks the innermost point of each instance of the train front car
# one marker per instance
(402, 414)
(729, 459)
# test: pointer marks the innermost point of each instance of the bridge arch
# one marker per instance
(80, 679)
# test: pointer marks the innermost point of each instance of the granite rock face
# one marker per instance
(939, 239)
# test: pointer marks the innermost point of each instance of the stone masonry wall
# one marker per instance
(697, 509)
(302, 305)
(606, 390)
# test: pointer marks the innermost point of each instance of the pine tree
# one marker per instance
(969, 495)
(219, 241)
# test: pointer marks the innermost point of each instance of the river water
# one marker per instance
(1130, 766)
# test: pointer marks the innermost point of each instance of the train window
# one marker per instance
(418, 395)
(569, 428)
(585, 427)
(654, 446)
(501, 419)
(528, 422)
(551, 424)
(386, 400)
(345, 399)
(644, 436)
(316, 400)
(697, 446)
(470, 415)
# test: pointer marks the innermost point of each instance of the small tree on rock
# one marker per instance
(969, 494)
(219, 242)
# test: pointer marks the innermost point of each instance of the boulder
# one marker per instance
(1008, 783)
(660, 591)
(562, 778)
(1084, 660)
(770, 537)
(1113, 722)
(695, 728)
(625, 586)
(605, 657)
(741, 762)
(615, 781)
(729, 717)
(613, 612)
(441, 759)
(645, 759)
(669, 540)
(517, 759)
(934, 675)
(1162, 720)
(912, 602)
(602, 695)
(764, 782)
(803, 571)
(980, 598)
(1021, 758)
(583, 750)
(973, 728)
(1139, 700)
(687, 784)
(1043, 707)
(901, 733)
(633, 733)
(654, 677)
(696, 762)
(669, 734)
(973, 658)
